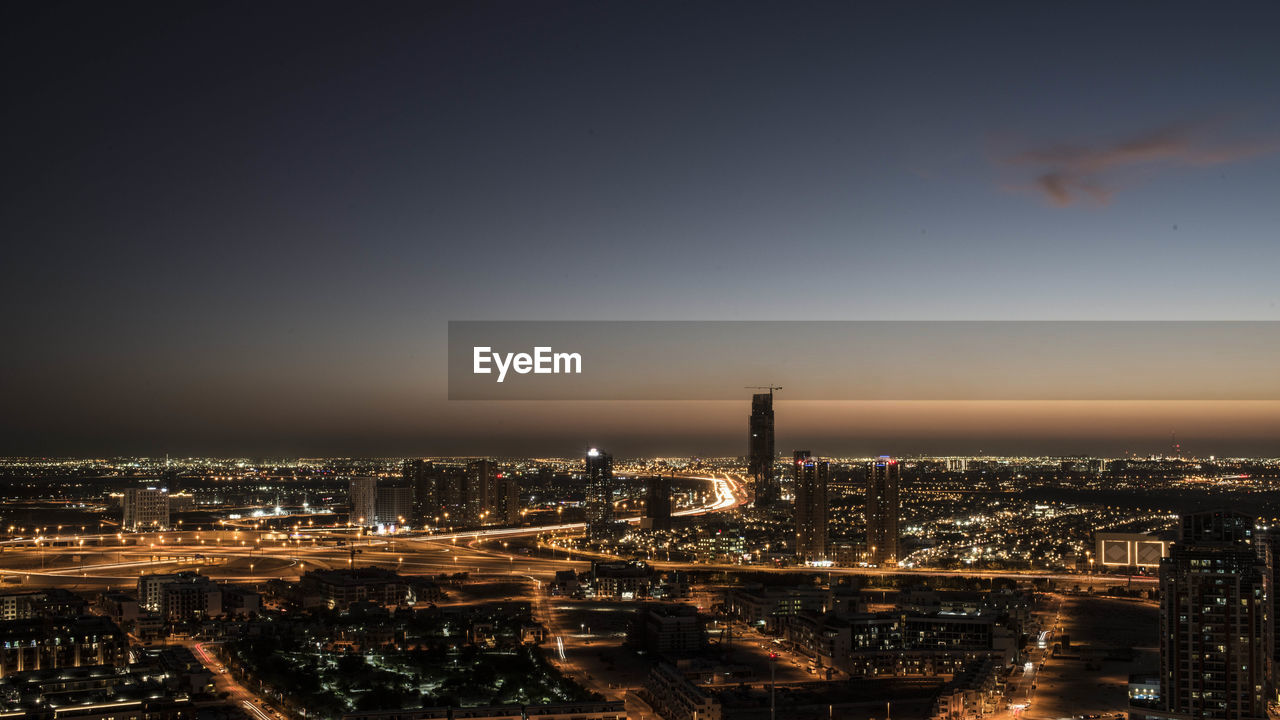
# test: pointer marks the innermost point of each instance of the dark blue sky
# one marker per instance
(242, 227)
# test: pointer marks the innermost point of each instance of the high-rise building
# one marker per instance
(657, 503)
(381, 501)
(1215, 623)
(363, 494)
(599, 487)
(811, 479)
(422, 476)
(760, 465)
(883, 543)
(506, 502)
(477, 492)
(393, 504)
(440, 494)
(145, 509)
(492, 496)
(1269, 543)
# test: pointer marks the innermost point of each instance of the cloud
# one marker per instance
(1067, 174)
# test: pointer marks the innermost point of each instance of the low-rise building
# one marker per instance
(121, 607)
(1128, 551)
(566, 582)
(431, 713)
(239, 600)
(763, 607)
(181, 502)
(180, 596)
(338, 589)
(497, 712)
(1144, 691)
(54, 643)
(193, 599)
(94, 692)
(667, 629)
(972, 693)
(53, 602)
(563, 711)
(672, 696)
(894, 644)
(187, 673)
(624, 579)
(576, 711)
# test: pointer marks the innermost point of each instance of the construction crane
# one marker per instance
(770, 388)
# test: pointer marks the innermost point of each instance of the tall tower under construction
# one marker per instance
(760, 451)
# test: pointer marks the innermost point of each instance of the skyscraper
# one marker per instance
(506, 503)
(422, 476)
(883, 478)
(657, 504)
(760, 450)
(480, 496)
(381, 501)
(1215, 625)
(599, 487)
(363, 493)
(484, 495)
(811, 478)
(393, 503)
(1270, 546)
(440, 493)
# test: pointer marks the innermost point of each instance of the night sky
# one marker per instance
(241, 228)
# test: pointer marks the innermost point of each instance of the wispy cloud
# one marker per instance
(1067, 174)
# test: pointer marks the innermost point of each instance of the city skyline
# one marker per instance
(476, 360)
(954, 588)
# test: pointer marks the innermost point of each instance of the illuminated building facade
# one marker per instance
(883, 540)
(760, 451)
(657, 504)
(393, 503)
(364, 499)
(1214, 621)
(381, 501)
(811, 478)
(1122, 551)
(53, 643)
(145, 509)
(599, 487)
(476, 493)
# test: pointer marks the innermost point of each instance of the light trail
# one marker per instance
(255, 710)
(724, 500)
